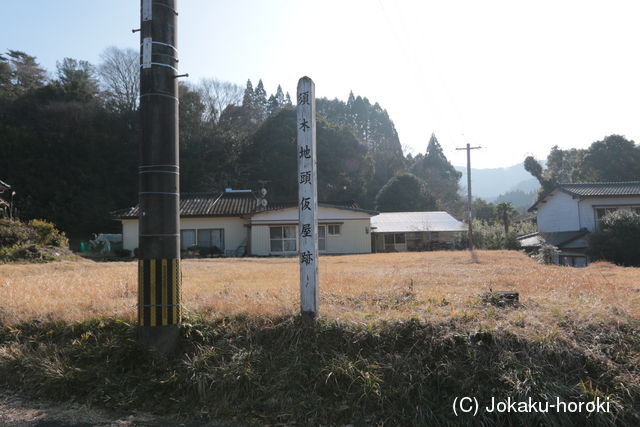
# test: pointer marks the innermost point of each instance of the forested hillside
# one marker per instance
(69, 142)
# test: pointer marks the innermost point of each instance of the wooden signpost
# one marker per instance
(307, 198)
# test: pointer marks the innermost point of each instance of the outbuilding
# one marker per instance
(414, 231)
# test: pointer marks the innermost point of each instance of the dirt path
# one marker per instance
(17, 411)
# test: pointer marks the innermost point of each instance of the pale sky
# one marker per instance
(514, 77)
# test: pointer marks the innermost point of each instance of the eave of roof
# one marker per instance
(237, 204)
(558, 239)
(584, 190)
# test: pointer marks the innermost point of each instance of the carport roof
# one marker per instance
(406, 222)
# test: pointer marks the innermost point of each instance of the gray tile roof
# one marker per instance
(602, 189)
(206, 204)
(228, 204)
(594, 189)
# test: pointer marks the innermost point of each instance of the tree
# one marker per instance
(618, 239)
(260, 99)
(483, 210)
(218, 95)
(405, 192)
(248, 99)
(563, 166)
(270, 154)
(276, 101)
(612, 159)
(120, 75)
(436, 170)
(504, 212)
(532, 166)
(615, 158)
(77, 79)
(376, 132)
(19, 73)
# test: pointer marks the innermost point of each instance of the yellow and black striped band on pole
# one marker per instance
(159, 292)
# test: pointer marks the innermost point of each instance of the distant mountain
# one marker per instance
(488, 184)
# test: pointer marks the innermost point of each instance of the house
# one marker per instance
(235, 223)
(414, 231)
(566, 215)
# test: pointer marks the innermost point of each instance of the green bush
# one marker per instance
(618, 239)
(122, 253)
(48, 234)
(491, 235)
(13, 232)
(29, 253)
(547, 254)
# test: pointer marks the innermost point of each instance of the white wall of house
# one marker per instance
(354, 234)
(588, 207)
(129, 234)
(559, 213)
(562, 212)
(236, 230)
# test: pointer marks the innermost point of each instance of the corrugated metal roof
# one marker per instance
(595, 189)
(399, 222)
(558, 238)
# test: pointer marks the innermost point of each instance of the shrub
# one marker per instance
(14, 232)
(48, 234)
(29, 253)
(546, 254)
(618, 239)
(122, 253)
(491, 235)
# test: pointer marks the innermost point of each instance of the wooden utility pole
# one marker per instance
(469, 199)
(158, 179)
(308, 198)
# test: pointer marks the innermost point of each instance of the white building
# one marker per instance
(414, 231)
(571, 211)
(234, 223)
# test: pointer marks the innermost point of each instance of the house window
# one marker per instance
(283, 238)
(573, 260)
(333, 229)
(393, 239)
(322, 237)
(388, 239)
(211, 238)
(602, 211)
(187, 239)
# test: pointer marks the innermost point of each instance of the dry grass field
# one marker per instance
(401, 336)
(434, 286)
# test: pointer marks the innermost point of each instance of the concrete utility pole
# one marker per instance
(158, 179)
(308, 198)
(469, 200)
